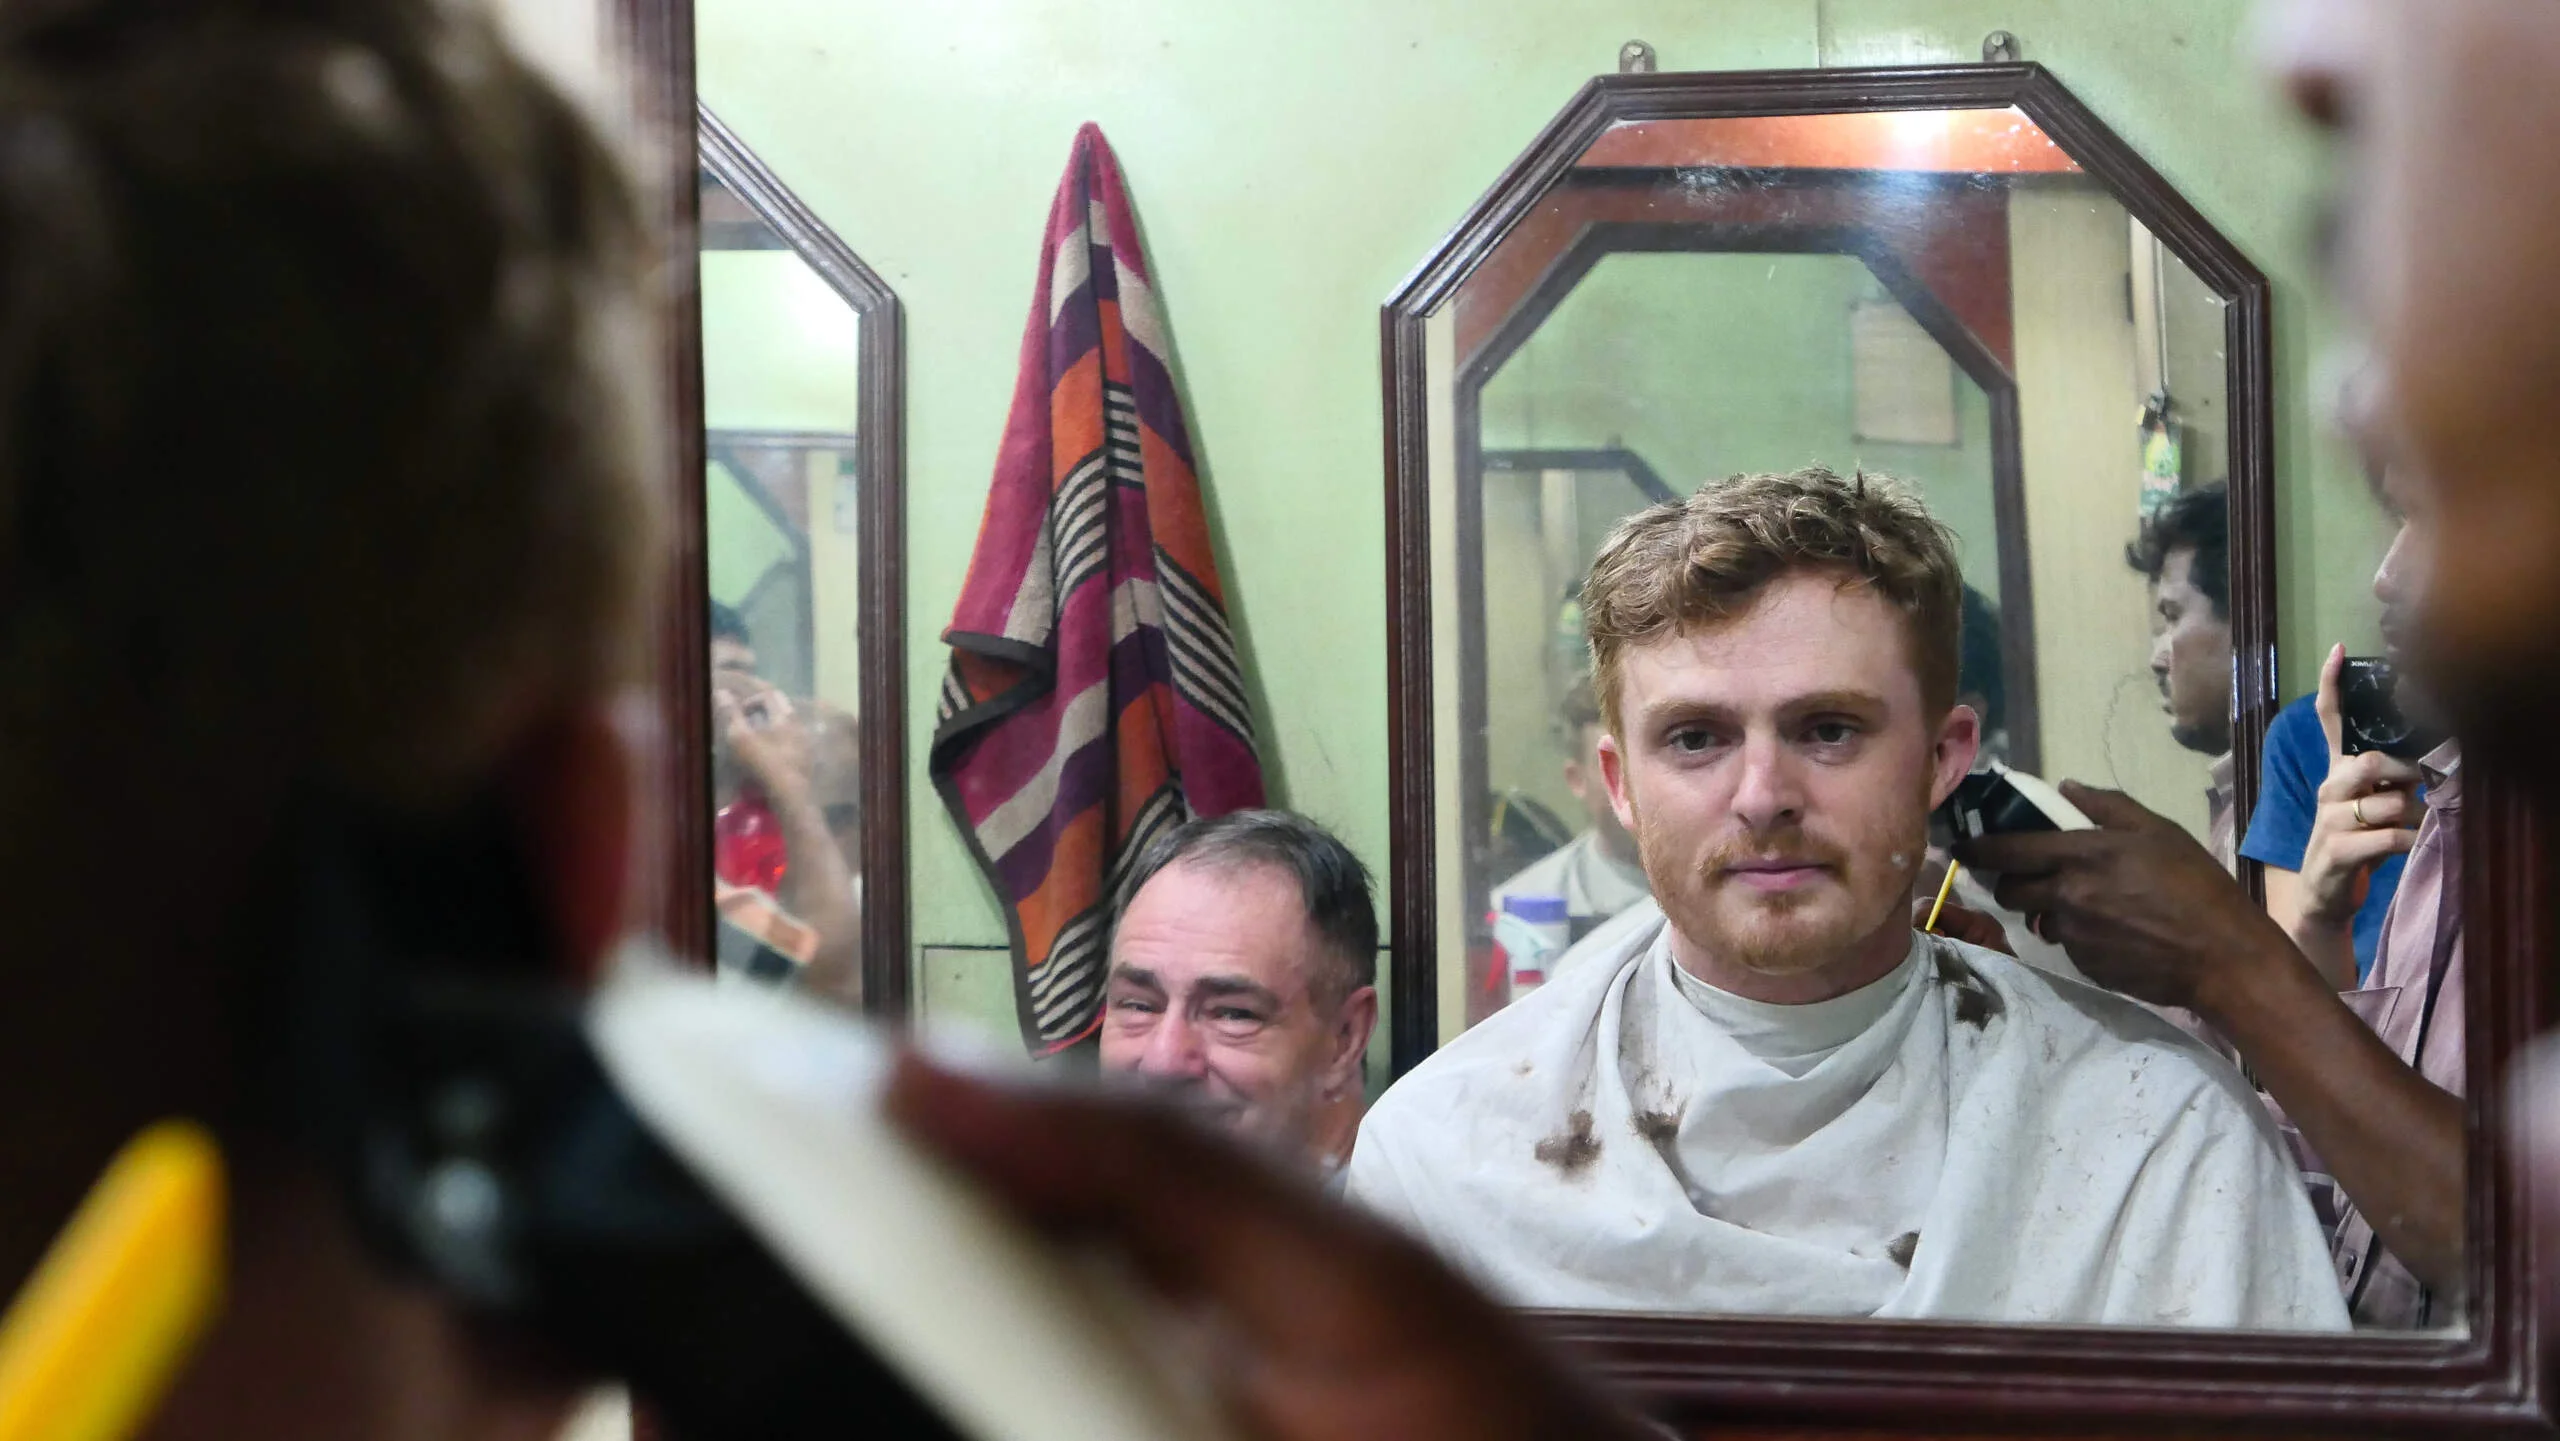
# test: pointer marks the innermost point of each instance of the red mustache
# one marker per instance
(1796, 850)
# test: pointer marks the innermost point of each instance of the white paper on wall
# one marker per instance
(1902, 382)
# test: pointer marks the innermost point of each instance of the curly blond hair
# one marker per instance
(1702, 560)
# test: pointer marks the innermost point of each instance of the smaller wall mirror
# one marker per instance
(800, 543)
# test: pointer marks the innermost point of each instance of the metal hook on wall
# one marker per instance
(1636, 58)
(1999, 48)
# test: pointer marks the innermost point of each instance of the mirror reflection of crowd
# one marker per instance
(786, 792)
(1243, 956)
(2347, 1010)
(1243, 980)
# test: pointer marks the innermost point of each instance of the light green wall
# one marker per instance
(780, 349)
(742, 541)
(1290, 164)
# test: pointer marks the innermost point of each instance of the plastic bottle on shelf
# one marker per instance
(1533, 931)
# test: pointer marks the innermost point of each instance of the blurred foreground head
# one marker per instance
(2449, 219)
(317, 478)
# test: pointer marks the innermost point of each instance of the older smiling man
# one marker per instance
(1243, 977)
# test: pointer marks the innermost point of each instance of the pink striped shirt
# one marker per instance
(2412, 997)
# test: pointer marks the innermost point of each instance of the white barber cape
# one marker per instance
(1966, 1139)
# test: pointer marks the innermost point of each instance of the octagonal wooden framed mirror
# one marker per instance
(1961, 277)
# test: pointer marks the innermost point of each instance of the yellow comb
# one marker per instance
(89, 1347)
(1935, 908)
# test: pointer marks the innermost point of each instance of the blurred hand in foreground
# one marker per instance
(1339, 1327)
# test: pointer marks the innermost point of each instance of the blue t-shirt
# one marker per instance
(2296, 762)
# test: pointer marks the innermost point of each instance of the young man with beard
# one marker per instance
(1784, 1099)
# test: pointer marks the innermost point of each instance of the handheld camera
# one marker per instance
(2370, 715)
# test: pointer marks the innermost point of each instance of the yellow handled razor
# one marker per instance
(91, 1344)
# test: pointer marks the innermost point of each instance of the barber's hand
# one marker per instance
(760, 728)
(1341, 1327)
(2141, 907)
(1960, 922)
(2368, 811)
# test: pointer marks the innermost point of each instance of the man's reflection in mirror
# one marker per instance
(2184, 552)
(2334, 901)
(1781, 1098)
(1244, 968)
(785, 826)
(2375, 807)
(1596, 874)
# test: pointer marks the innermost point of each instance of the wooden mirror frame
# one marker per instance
(686, 140)
(1949, 1375)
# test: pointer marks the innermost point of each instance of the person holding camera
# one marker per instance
(785, 783)
(2370, 1080)
(2376, 806)
(2296, 759)
(767, 753)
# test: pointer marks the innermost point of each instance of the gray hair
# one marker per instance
(1332, 883)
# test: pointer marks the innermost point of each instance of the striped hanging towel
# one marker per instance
(1094, 700)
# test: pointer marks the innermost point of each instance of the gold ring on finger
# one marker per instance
(2357, 810)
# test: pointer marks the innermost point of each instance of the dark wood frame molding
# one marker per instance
(879, 460)
(1608, 457)
(653, 41)
(1947, 1377)
(679, 141)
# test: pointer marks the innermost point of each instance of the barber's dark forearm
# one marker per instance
(2331, 949)
(2395, 1142)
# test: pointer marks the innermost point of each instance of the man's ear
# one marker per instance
(1351, 1042)
(574, 784)
(1613, 773)
(1959, 741)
